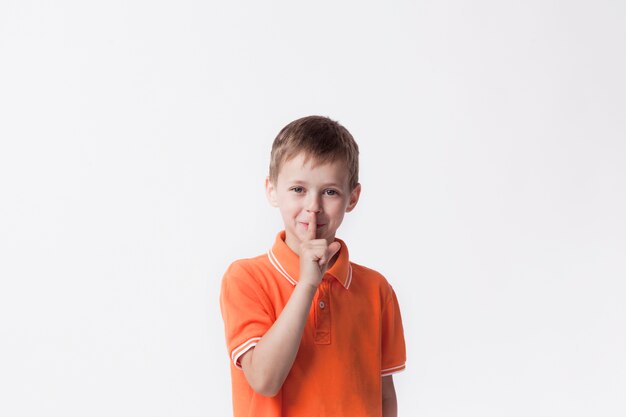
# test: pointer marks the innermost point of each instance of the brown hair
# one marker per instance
(320, 138)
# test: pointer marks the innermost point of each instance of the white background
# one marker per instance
(135, 138)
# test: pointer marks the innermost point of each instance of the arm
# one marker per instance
(267, 365)
(390, 403)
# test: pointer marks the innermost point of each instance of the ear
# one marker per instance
(354, 198)
(270, 192)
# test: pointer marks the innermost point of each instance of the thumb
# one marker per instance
(331, 250)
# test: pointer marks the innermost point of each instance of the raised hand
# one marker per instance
(315, 254)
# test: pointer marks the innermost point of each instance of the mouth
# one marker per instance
(306, 225)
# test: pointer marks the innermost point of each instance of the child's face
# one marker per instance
(301, 188)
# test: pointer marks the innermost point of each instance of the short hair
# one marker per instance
(320, 138)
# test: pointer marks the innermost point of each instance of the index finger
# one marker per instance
(311, 231)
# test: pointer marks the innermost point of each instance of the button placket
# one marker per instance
(322, 313)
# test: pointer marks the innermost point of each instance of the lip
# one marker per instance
(306, 225)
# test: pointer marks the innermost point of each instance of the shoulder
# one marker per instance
(367, 273)
(244, 269)
(243, 280)
(371, 278)
(246, 263)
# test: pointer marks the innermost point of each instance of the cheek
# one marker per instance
(337, 209)
(289, 208)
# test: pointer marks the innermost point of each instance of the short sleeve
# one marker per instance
(245, 312)
(392, 340)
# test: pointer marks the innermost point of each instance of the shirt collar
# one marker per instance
(287, 262)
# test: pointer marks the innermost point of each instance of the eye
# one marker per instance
(331, 192)
(297, 189)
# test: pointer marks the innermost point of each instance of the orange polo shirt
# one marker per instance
(353, 335)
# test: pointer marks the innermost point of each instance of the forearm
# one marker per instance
(267, 365)
(390, 407)
(390, 403)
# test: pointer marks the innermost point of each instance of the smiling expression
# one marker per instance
(302, 188)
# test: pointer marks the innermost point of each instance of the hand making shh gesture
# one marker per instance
(315, 254)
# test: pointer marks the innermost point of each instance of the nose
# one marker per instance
(313, 205)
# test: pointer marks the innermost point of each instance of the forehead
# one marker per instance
(303, 168)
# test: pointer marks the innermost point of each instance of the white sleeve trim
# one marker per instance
(243, 348)
(393, 370)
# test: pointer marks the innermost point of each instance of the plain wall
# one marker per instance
(135, 139)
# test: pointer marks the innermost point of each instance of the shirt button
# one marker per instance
(322, 304)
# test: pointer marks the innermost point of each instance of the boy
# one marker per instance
(309, 332)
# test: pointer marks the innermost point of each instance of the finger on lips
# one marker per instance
(312, 228)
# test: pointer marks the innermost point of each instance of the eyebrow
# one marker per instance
(329, 184)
